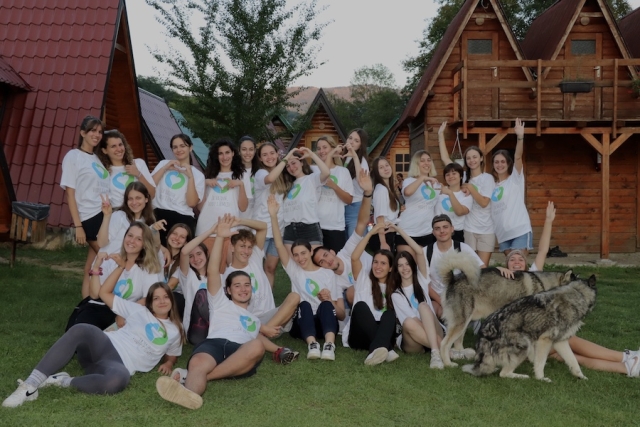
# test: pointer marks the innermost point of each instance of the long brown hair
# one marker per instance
(147, 212)
(378, 302)
(361, 152)
(148, 257)
(104, 142)
(283, 183)
(175, 259)
(174, 316)
(377, 179)
(509, 159)
(396, 283)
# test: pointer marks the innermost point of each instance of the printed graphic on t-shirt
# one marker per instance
(203, 285)
(122, 180)
(446, 204)
(332, 178)
(497, 194)
(100, 170)
(156, 333)
(428, 192)
(223, 185)
(350, 276)
(124, 288)
(253, 186)
(413, 301)
(384, 307)
(248, 323)
(254, 282)
(175, 180)
(293, 193)
(312, 287)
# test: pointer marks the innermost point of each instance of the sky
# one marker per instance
(361, 33)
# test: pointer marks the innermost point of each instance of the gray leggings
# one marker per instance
(104, 371)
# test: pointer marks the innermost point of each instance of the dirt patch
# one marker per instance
(67, 266)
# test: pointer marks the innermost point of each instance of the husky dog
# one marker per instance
(476, 293)
(530, 326)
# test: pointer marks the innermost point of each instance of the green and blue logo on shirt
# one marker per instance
(332, 178)
(254, 282)
(124, 288)
(350, 277)
(428, 192)
(312, 287)
(203, 285)
(175, 180)
(248, 323)
(221, 190)
(446, 204)
(253, 186)
(497, 194)
(293, 193)
(100, 170)
(156, 333)
(122, 180)
(413, 301)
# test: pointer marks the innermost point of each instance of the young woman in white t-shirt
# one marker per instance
(452, 201)
(386, 206)
(335, 194)
(247, 147)
(109, 359)
(84, 179)
(420, 191)
(479, 232)
(116, 155)
(177, 237)
(179, 187)
(373, 322)
(508, 208)
(358, 141)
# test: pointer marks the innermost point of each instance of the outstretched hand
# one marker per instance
(272, 205)
(519, 128)
(443, 126)
(551, 211)
(107, 209)
(225, 224)
(364, 180)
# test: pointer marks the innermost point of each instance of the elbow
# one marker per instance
(348, 200)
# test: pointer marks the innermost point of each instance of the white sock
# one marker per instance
(36, 378)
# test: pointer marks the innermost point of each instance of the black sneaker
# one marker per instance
(285, 355)
(556, 252)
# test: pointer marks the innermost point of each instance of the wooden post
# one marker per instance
(605, 239)
(614, 125)
(539, 99)
(465, 100)
(482, 144)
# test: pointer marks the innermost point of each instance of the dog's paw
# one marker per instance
(468, 369)
(451, 365)
(545, 379)
(582, 377)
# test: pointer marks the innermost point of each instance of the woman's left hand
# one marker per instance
(166, 368)
(505, 272)
(446, 190)
(132, 170)
(118, 260)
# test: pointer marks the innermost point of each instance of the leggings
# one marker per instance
(104, 371)
(366, 333)
(199, 319)
(306, 324)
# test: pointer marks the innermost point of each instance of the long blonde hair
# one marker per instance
(148, 257)
(337, 160)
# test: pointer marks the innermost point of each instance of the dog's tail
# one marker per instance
(466, 263)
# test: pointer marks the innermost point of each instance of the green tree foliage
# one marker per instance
(520, 14)
(241, 58)
(375, 101)
(158, 87)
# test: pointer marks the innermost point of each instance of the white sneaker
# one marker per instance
(314, 351)
(24, 393)
(392, 356)
(55, 379)
(436, 360)
(632, 362)
(180, 375)
(376, 357)
(328, 351)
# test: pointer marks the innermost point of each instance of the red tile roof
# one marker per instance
(629, 29)
(9, 76)
(62, 51)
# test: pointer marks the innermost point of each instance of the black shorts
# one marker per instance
(422, 240)
(220, 349)
(301, 231)
(334, 239)
(92, 226)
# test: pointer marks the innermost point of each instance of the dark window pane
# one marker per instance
(583, 47)
(479, 47)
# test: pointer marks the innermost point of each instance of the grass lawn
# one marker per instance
(37, 300)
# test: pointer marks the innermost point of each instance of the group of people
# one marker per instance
(157, 276)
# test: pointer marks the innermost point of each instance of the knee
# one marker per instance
(350, 293)
(255, 349)
(326, 306)
(270, 268)
(293, 299)
(117, 383)
(360, 306)
(411, 325)
(199, 362)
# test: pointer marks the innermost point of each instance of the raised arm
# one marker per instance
(364, 180)
(103, 233)
(420, 259)
(324, 170)
(273, 206)
(133, 169)
(259, 226)
(444, 155)
(277, 169)
(517, 157)
(105, 292)
(214, 281)
(191, 245)
(356, 264)
(545, 238)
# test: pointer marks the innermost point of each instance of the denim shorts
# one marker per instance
(301, 231)
(270, 247)
(220, 349)
(521, 242)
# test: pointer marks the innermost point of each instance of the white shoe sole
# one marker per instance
(313, 356)
(328, 356)
(377, 356)
(172, 391)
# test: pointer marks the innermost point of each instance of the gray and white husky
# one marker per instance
(530, 326)
(476, 293)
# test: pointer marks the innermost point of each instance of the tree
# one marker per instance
(157, 87)
(242, 58)
(520, 14)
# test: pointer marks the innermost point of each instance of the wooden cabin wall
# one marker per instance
(321, 124)
(563, 169)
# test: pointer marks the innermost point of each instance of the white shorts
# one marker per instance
(480, 242)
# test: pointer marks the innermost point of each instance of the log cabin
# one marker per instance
(393, 144)
(322, 121)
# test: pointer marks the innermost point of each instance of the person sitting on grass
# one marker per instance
(247, 255)
(316, 315)
(588, 354)
(234, 347)
(108, 359)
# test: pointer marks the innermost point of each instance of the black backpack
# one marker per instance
(456, 247)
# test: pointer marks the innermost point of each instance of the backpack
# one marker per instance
(456, 247)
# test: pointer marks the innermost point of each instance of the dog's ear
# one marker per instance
(592, 281)
(568, 276)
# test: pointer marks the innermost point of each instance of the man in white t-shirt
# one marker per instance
(234, 347)
(443, 232)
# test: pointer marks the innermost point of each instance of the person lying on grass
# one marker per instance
(588, 354)
(108, 359)
(234, 347)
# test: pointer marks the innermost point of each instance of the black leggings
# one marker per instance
(199, 321)
(306, 324)
(365, 333)
(104, 371)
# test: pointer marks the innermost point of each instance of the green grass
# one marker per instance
(37, 301)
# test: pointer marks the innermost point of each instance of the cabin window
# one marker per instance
(479, 46)
(402, 162)
(583, 47)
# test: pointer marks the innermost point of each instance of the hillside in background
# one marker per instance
(306, 96)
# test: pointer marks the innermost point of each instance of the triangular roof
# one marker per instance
(629, 30)
(321, 100)
(380, 137)
(9, 76)
(63, 52)
(199, 147)
(443, 51)
(549, 31)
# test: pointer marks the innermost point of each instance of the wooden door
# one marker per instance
(587, 106)
(482, 103)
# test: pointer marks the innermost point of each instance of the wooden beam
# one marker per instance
(614, 130)
(120, 48)
(569, 130)
(495, 141)
(484, 15)
(457, 68)
(605, 237)
(590, 15)
(456, 97)
(506, 124)
(581, 124)
(619, 141)
(482, 144)
(458, 87)
(539, 99)
(464, 99)
(593, 141)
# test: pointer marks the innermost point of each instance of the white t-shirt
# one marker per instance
(218, 200)
(444, 207)
(260, 209)
(479, 219)
(118, 225)
(307, 284)
(419, 209)
(171, 191)
(119, 179)
(330, 207)
(301, 203)
(133, 284)
(189, 285)
(357, 190)
(345, 279)
(405, 304)
(85, 174)
(230, 321)
(250, 191)
(364, 293)
(508, 210)
(261, 295)
(381, 205)
(144, 339)
(436, 281)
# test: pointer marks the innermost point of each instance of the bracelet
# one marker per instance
(285, 161)
(97, 272)
(367, 195)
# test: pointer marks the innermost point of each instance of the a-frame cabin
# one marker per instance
(393, 144)
(323, 121)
